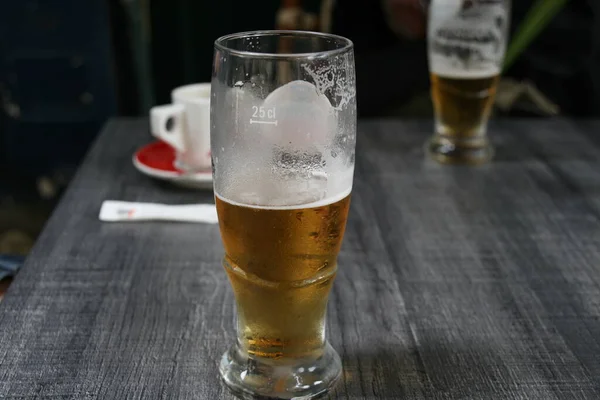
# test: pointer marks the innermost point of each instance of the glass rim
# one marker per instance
(347, 44)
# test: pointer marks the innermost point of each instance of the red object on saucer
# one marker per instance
(157, 160)
(158, 156)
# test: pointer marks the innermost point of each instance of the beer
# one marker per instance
(281, 262)
(283, 135)
(466, 48)
(463, 103)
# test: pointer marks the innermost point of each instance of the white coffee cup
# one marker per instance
(185, 125)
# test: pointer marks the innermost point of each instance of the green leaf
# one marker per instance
(540, 14)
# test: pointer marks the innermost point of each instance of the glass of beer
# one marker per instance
(283, 134)
(466, 43)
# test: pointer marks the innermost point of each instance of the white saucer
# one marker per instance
(157, 160)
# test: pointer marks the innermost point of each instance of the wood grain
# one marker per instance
(454, 283)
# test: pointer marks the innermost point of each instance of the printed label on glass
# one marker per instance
(467, 38)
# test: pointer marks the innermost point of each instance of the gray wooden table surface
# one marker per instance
(454, 283)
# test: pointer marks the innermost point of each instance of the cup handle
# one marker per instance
(167, 123)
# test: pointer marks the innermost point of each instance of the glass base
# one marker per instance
(465, 151)
(278, 379)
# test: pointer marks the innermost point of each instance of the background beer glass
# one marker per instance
(283, 116)
(467, 44)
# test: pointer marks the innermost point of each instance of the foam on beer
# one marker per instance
(270, 187)
(298, 155)
(460, 72)
(320, 203)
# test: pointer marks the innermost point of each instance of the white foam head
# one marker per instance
(447, 70)
(285, 157)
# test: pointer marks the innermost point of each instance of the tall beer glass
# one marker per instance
(467, 43)
(283, 133)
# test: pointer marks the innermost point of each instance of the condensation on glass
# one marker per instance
(283, 134)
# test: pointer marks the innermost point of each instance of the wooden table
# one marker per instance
(454, 283)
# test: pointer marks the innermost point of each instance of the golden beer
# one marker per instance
(466, 49)
(463, 105)
(282, 137)
(281, 263)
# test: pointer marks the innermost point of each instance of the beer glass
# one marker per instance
(466, 43)
(283, 133)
